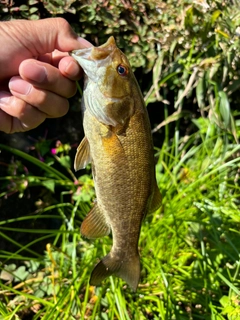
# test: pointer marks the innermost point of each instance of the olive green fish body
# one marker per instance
(118, 142)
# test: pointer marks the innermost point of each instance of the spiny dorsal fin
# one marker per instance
(83, 157)
(95, 225)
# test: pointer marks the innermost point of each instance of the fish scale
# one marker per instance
(118, 142)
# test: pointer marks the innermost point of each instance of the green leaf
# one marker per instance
(33, 9)
(215, 15)
(65, 161)
(49, 184)
(222, 33)
(224, 108)
(233, 128)
(20, 274)
(188, 21)
(224, 301)
(157, 69)
(32, 265)
(229, 283)
(228, 310)
(23, 7)
(200, 92)
(34, 17)
(7, 273)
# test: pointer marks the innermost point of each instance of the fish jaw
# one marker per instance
(107, 94)
(92, 68)
(100, 64)
(93, 99)
(93, 60)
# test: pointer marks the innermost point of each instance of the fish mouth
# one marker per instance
(93, 58)
(94, 61)
(103, 51)
(96, 53)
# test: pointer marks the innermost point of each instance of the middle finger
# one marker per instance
(53, 105)
(45, 76)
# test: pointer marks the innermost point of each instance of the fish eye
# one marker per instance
(122, 70)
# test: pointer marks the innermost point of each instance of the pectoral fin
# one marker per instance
(95, 225)
(83, 156)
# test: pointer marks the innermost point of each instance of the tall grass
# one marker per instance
(189, 248)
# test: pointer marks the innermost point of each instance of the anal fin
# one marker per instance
(83, 156)
(95, 225)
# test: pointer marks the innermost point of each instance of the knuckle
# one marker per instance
(20, 107)
(37, 97)
(62, 23)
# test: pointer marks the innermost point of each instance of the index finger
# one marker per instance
(45, 76)
(65, 63)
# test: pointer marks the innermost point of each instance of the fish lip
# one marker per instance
(92, 59)
(108, 47)
(82, 53)
(86, 54)
(90, 65)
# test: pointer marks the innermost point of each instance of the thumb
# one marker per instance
(25, 39)
(56, 33)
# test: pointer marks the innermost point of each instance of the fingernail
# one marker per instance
(72, 68)
(20, 86)
(33, 71)
(84, 42)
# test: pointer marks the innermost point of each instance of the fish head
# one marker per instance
(108, 83)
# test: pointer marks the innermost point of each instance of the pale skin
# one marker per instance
(37, 76)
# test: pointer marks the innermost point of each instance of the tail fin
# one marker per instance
(127, 269)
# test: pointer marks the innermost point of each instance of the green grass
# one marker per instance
(189, 248)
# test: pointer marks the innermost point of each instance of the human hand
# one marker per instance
(36, 73)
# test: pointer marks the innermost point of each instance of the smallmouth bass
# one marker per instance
(118, 143)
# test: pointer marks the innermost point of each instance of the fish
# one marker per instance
(118, 144)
